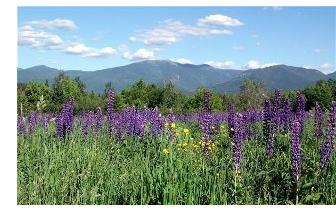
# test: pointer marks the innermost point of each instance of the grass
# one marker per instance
(94, 169)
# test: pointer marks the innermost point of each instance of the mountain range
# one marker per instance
(186, 77)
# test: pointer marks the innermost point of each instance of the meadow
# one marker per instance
(280, 154)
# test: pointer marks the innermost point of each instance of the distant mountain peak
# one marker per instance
(187, 77)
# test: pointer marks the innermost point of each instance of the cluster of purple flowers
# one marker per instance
(156, 121)
(110, 109)
(327, 147)
(87, 121)
(99, 119)
(21, 127)
(205, 125)
(295, 149)
(205, 122)
(32, 119)
(207, 102)
(65, 119)
(237, 140)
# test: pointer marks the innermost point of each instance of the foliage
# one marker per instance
(321, 92)
(166, 97)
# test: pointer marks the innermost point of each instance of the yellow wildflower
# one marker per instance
(165, 151)
(177, 134)
(173, 125)
(186, 131)
(166, 125)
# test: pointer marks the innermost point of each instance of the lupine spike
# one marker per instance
(110, 109)
(327, 147)
(295, 149)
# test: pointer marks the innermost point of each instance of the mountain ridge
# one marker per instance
(186, 77)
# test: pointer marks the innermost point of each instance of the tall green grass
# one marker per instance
(95, 169)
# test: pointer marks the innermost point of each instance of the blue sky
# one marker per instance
(92, 38)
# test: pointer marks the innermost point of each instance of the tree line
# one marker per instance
(45, 97)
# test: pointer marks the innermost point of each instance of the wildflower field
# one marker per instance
(280, 154)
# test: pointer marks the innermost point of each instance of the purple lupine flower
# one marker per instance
(318, 120)
(276, 110)
(327, 147)
(45, 119)
(60, 130)
(170, 117)
(286, 116)
(207, 102)
(217, 121)
(130, 117)
(84, 123)
(230, 119)
(140, 121)
(68, 118)
(205, 121)
(21, 128)
(156, 121)
(32, 119)
(300, 111)
(118, 121)
(268, 127)
(98, 119)
(295, 149)
(110, 109)
(237, 141)
(244, 124)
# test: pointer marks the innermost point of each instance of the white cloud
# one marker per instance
(85, 51)
(253, 64)
(170, 31)
(238, 48)
(34, 34)
(27, 36)
(140, 54)
(220, 32)
(324, 68)
(63, 24)
(132, 39)
(182, 61)
(255, 35)
(221, 65)
(327, 68)
(219, 20)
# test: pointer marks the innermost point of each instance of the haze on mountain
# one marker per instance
(186, 77)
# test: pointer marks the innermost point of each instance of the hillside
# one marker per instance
(186, 77)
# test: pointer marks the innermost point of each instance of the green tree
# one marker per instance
(63, 88)
(81, 85)
(141, 94)
(321, 93)
(36, 93)
(251, 94)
